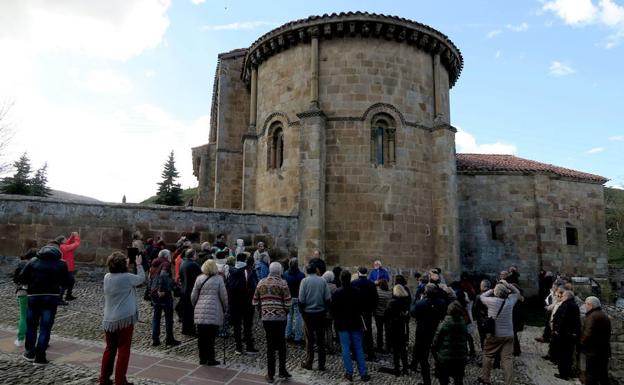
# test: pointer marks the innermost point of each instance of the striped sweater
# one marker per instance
(273, 298)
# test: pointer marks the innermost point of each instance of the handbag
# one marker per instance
(489, 324)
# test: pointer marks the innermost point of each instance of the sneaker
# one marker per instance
(348, 377)
(284, 374)
(365, 378)
(172, 343)
(306, 367)
(239, 352)
(40, 362)
(70, 297)
(156, 343)
(29, 356)
(212, 363)
(19, 342)
(269, 379)
(251, 350)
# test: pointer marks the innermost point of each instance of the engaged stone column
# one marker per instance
(445, 231)
(311, 183)
(250, 143)
(314, 68)
(253, 104)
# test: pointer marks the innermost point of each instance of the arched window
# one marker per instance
(275, 146)
(382, 146)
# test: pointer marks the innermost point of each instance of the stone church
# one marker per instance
(343, 121)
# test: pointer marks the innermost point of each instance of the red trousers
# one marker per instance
(117, 343)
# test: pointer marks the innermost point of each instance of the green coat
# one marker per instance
(450, 341)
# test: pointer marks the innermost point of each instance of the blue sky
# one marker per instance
(103, 91)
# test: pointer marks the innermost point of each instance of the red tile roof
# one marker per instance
(478, 163)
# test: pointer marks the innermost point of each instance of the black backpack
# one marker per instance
(154, 287)
(236, 280)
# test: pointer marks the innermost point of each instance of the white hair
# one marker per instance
(164, 253)
(594, 301)
(328, 276)
(275, 268)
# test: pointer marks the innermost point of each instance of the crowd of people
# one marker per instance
(329, 311)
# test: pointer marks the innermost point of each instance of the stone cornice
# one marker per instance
(355, 24)
(312, 114)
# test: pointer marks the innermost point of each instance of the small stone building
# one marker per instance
(344, 121)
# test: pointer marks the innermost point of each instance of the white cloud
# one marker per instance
(107, 82)
(112, 29)
(522, 27)
(197, 2)
(572, 11)
(467, 143)
(497, 54)
(237, 26)
(616, 138)
(560, 69)
(493, 33)
(615, 185)
(106, 154)
(604, 13)
(595, 150)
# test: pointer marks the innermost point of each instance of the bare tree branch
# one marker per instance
(6, 134)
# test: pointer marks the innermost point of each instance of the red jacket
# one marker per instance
(67, 249)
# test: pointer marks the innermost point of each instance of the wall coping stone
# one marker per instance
(200, 210)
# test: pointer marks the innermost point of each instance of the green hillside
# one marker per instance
(187, 194)
(614, 208)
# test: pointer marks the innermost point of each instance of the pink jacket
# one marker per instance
(68, 248)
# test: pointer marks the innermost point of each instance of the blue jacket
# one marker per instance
(377, 274)
(294, 278)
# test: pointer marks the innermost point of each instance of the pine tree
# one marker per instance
(169, 192)
(20, 182)
(39, 184)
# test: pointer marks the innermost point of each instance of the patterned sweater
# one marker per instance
(273, 298)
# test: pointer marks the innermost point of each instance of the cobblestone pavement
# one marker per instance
(80, 323)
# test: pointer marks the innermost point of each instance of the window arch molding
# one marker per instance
(382, 128)
(275, 145)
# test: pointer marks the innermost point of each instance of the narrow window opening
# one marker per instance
(571, 236)
(496, 228)
(383, 145)
(275, 144)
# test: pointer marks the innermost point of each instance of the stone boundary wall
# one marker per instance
(104, 227)
(616, 366)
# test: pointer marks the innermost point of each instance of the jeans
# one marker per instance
(41, 313)
(275, 342)
(421, 357)
(369, 349)
(494, 345)
(206, 335)
(118, 341)
(21, 327)
(348, 339)
(315, 333)
(294, 322)
(381, 324)
(243, 319)
(399, 341)
(167, 307)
